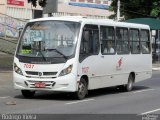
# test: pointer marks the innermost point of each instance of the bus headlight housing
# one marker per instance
(66, 71)
(17, 69)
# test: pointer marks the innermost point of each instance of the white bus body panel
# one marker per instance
(104, 70)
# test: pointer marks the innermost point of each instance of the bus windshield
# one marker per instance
(45, 39)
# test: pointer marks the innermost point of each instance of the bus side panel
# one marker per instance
(102, 71)
(112, 70)
(90, 67)
(142, 65)
(112, 73)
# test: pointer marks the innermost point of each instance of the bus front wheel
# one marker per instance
(82, 89)
(28, 93)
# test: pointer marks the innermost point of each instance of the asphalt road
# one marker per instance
(144, 99)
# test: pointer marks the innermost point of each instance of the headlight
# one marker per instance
(66, 71)
(17, 69)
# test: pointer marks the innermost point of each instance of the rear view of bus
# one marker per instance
(44, 58)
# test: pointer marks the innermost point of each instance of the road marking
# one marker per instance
(4, 97)
(79, 101)
(143, 90)
(150, 111)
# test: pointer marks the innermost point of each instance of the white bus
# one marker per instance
(76, 54)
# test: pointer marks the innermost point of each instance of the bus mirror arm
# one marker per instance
(20, 31)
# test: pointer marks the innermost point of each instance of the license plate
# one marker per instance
(40, 85)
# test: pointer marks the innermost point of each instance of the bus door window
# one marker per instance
(135, 41)
(85, 42)
(89, 42)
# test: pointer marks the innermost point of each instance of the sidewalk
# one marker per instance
(156, 66)
(6, 62)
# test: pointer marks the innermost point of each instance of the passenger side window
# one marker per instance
(89, 41)
(107, 40)
(122, 41)
(135, 41)
(145, 42)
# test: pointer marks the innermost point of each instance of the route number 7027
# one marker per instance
(30, 66)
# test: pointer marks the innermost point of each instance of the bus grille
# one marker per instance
(43, 73)
(49, 73)
(31, 73)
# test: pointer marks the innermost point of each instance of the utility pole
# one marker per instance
(118, 10)
(32, 11)
(158, 48)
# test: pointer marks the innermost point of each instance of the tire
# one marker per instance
(121, 87)
(82, 90)
(27, 93)
(129, 85)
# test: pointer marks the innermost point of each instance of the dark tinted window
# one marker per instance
(134, 41)
(145, 42)
(122, 41)
(90, 41)
(107, 40)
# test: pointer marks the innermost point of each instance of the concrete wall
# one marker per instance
(21, 12)
(9, 27)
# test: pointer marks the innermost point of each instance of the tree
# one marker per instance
(137, 8)
(156, 9)
(42, 3)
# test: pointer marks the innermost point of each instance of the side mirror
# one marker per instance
(153, 32)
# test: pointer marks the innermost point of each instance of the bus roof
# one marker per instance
(85, 20)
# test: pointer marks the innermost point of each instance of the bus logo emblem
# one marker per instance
(120, 61)
(39, 73)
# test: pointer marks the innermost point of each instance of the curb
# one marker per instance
(156, 68)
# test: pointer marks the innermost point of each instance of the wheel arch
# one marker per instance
(133, 75)
(85, 77)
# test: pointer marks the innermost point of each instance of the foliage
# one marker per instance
(137, 8)
(156, 9)
(42, 3)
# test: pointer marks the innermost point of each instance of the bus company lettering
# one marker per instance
(85, 69)
(119, 64)
(30, 66)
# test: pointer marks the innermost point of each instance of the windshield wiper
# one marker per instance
(42, 55)
(58, 52)
(44, 58)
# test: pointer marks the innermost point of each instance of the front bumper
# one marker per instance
(65, 83)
